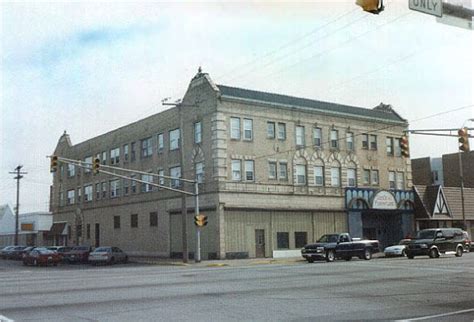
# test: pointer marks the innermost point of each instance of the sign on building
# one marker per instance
(384, 200)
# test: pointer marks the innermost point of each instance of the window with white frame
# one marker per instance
(299, 135)
(103, 160)
(391, 180)
(88, 193)
(61, 198)
(300, 174)
(145, 187)
(133, 183)
(397, 148)
(271, 130)
(248, 129)
(365, 141)
(174, 139)
(317, 137)
(235, 128)
(334, 139)
(350, 141)
(88, 164)
(79, 194)
(161, 179)
(373, 142)
(389, 144)
(199, 171)
(125, 184)
(97, 191)
(71, 170)
(272, 170)
(146, 148)
(197, 132)
(71, 197)
(281, 131)
(114, 188)
(132, 151)
(400, 180)
(125, 152)
(366, 177)
(115, 156)
(175, 172)
(319, 175)
(160, 142)
(104, 190)
(236, 170)
(249, 170)
(335, 175)
(375, 177)
(351, 177)
(283, 171)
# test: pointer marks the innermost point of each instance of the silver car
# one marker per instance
(397, 250)
(107, 255)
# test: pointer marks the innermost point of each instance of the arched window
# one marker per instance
(300, 171)
(318, 170)
(335, 174)
(352, 175)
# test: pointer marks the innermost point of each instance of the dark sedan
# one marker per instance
(78, 254)
(15, 253)
(41, 256)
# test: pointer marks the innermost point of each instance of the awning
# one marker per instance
(58, 228)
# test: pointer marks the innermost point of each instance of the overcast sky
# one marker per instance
(89, 68)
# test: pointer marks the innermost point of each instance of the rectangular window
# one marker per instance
(160, 142)
(104, 190)
(161, 180)
(114, 188)
(61, 198)
(351, 177)
(317, 137)
(71, 197)
(300, 135)
(146, 148)
(235, 128)
(319, 175)
(272, 170)
(365, 141)
(116, 222)
(153, 219)
(88, 231)
(236, 169)
(79, 194)
(281, 131)
(132, 151)
(397, 147)
(134, 221)
(88, 193)
(248, 129)
(175, 172)
(115, 156)
(391, 180)
(375, 177)
(97, 191)
(271, 130)
(389, 144)
(145, 187)
(125, 152)
(400, 181)
(373, 142)
(88, 164)
(133, 184)
(283, 240)
(283, 173)
(301, 174)
(197, 132)
(350, 141)
(335, 177)
(301, 239)
(104, 158)
(199, 172)
(125, 183)
(249, 170)
(174, 139)
(71, 170)
(366, 177)
(334, 139)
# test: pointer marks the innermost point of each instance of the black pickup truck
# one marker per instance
(333, 246)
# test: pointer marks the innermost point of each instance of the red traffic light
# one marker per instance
(463, 139)
(200, 220)
(54, 163)
(404, 146)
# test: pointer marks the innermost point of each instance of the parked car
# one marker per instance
(333, 246)
(41, 256)
(5, 250)
(61, 250)
(397, 250)
(107, 255)
(26, 250)
(78, 254)
(15, 253)
(436, 241)
(467, 241)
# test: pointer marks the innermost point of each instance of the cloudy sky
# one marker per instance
(88, 68)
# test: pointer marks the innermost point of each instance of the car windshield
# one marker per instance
(45, 251)
(426, 234)
(328, 239)
(102, 249)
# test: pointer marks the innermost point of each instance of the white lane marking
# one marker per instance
(439, 315)
(5, 319)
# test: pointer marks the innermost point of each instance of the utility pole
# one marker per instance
(17, 209)
(461, 177)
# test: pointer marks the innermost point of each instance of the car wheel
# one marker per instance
(410, 256)
(434, 253)
(404, 253)
(367, 254)
(112, 260)
(330, 256)
(348, 258)
(459, 251)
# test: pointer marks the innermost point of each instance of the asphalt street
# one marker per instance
(422, 289)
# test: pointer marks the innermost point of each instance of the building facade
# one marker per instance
(273, 170)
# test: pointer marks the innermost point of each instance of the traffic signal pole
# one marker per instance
(198, 229)
(461, 177)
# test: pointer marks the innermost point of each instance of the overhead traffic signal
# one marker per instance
(96, 166)
(54, 163)
(372, 6)
(404, 146)
(463, 139)
(200, 220)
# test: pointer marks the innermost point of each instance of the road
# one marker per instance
(381, 289)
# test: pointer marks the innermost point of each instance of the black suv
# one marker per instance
(436, 241)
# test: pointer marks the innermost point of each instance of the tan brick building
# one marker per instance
(276, 173)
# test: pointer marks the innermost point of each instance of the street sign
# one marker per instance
(431, 7)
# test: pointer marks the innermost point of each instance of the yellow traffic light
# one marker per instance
(404, 146)
(372, 6)
(54, 163)
(200, 220)
(463, 139)
(96, 166)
